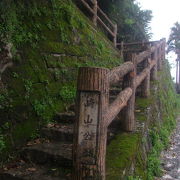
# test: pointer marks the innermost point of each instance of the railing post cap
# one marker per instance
(93, 79)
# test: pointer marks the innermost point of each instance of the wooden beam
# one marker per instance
(142, 56)
(117, 73)
(95, 9)
(145, 87)
(153, 73)
(129, 81)
(137, 43)
(143, 74)
(117, 105)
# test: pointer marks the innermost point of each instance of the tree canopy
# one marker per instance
(174, 39)
(132, 21)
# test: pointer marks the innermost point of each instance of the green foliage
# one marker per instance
(68, 93)
(120, 153)
(28, 87)
(51, 40)
(161, 131)
(174, 39)
(132, 21)
(2, 143)
(133, 178)
(5, 100)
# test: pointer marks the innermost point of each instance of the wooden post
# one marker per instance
(159, 59)
(164, 49)
(153, 73)
(178, 74)
(90, 129)
(145, 86)
(128, 111)
(177, 65)
(115, 35)
(122, 49)
(95, 8)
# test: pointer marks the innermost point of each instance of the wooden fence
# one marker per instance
(99, 17)
(95, 114)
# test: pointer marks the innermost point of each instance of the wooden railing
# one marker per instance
(95, 114)
(99, 17)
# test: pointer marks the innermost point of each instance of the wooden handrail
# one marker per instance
(117, 105)
(104, 25)
(117, 73)
(87, 6)
(106, 17)
(139, 78)
(137, 43)
(95, 114)
(97, 20)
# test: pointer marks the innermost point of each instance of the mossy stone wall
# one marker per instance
(50, 40)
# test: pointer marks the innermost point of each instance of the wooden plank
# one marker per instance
(117, 73)
(119, 103)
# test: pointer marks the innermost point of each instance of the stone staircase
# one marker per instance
(49, 157)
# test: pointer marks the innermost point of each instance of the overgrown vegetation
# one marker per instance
(132, 21)
(156, 117)
(162, 127)
(48, 40)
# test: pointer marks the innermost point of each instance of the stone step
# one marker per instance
(58, 132)
(72, 107)
(29, 171)
(67, 117)
(49, 153)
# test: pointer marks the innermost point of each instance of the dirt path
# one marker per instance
(171, 157)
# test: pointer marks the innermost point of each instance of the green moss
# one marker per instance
(41, 84)
(120, 153)
(143, 103)
(167, 101)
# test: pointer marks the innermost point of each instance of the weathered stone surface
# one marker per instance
(49, 153)
(171, 156)
(27, 171)
(67, 117)
(58, 132)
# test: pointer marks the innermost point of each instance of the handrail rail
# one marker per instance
(94, 113)
(96, 12)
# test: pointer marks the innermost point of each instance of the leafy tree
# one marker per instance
(174, 39)
(132, 21)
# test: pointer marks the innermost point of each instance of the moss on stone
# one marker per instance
(120, 154)
(52, 39)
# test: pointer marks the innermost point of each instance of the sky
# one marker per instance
(165, 14)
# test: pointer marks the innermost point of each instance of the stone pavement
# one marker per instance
(171, 157)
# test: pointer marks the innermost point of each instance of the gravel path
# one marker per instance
(171, 157)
